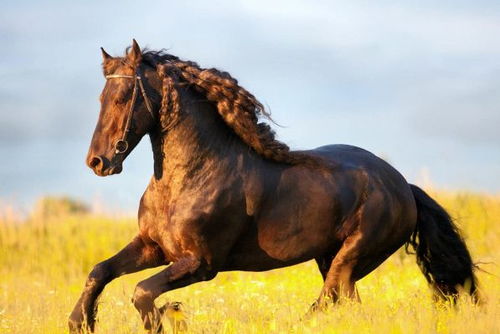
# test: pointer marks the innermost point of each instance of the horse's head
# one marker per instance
(127, 103)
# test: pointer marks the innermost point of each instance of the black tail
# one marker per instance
(441, 252)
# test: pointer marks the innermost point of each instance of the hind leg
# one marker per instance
(323, 263)
(351, 263)
(339, 281)
(379, 230)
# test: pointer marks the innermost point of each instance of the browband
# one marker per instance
(111, 76)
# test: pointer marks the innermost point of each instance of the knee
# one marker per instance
(141, 295)
(100, 274)
(208, 275)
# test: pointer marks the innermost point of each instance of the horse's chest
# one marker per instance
(175, 236)
(184, 225)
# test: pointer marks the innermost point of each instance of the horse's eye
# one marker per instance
(121, 99)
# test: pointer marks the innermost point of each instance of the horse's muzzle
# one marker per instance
(102, 166)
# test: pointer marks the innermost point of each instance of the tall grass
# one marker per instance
(44, 261)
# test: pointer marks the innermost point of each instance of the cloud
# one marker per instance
(464, 109)
(337, 56)
(384, 75)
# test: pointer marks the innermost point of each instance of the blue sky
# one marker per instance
(416, 82)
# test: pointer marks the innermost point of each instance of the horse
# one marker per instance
(226, 195)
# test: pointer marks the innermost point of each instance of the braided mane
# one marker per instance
(239, 109)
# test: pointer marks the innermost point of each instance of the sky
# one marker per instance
(415, 82)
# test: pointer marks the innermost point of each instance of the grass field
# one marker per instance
(44, 261)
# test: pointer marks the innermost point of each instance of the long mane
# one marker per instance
(239, 109)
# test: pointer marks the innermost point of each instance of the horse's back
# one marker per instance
(379, 171)
(349, 156)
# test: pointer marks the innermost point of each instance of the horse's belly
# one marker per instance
(254, 258)
(280, 244)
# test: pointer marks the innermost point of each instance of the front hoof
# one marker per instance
(78, 326)
(75, 326)
(317, 306)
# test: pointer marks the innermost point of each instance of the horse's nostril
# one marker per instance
(95, 161)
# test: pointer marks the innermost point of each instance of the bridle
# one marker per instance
(121, 145)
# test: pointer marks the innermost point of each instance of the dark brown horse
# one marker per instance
(226, 195)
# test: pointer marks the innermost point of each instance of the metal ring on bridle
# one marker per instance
(121, 147)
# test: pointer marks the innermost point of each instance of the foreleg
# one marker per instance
(136, 256)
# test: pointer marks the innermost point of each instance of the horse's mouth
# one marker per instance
(115, 169)
(111, 170)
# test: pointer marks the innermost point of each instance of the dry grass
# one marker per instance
(44, 262)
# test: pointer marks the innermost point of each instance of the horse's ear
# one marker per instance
(135, 54)
(105, 55)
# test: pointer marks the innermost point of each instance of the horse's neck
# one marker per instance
(199, 143)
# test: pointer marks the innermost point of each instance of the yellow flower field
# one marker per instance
(44, 261)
